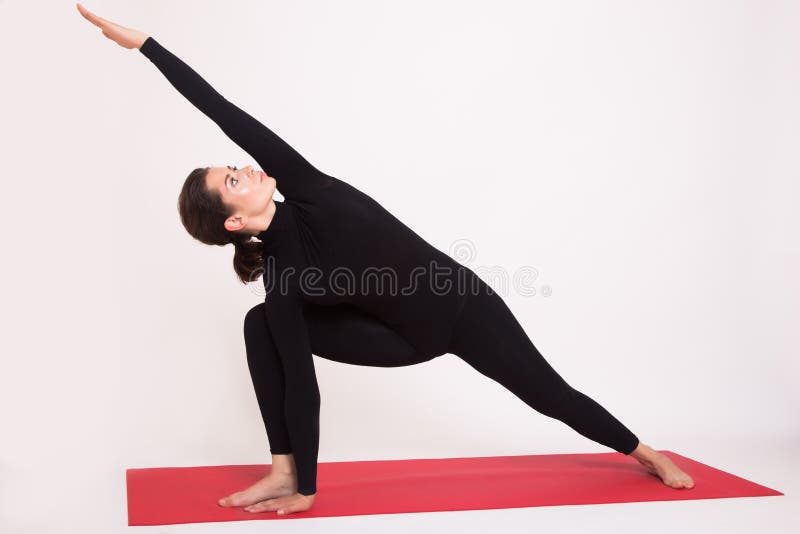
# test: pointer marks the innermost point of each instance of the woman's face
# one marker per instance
(247, 191)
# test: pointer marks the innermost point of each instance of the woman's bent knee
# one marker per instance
(255, 320)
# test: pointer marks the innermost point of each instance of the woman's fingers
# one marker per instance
(91, 17)
(125, 37)
(283, 505)
(99, 21)
(263, 506)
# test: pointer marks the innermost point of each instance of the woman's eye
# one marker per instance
(234, 181)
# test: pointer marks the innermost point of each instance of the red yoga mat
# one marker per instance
(172, 495)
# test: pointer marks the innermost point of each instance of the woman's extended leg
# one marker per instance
(489, 338)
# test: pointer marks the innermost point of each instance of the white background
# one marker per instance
(642, 156)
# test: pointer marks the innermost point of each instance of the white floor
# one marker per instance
(66, 501)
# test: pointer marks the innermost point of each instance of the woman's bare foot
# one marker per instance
(660, 465)
(280, 482)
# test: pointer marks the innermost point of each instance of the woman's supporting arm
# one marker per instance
(294, 175)
(288, 327)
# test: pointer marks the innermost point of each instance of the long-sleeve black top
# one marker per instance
(341, 246)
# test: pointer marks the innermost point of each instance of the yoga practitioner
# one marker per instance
(327, 253)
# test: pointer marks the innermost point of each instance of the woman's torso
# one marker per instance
(344, 247)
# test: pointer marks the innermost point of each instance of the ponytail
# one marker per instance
(248, 260)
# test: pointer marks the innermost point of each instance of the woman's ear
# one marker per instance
(235, 222)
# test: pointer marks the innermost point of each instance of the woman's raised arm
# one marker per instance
(294, 175)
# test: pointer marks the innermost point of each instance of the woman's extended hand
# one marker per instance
(284, 505)
(125, 37)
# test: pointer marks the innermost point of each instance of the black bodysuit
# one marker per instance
(348, 281)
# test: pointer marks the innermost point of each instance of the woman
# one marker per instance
(323, 253)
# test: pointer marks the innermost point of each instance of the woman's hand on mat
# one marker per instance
(284, 505)
(125, 37)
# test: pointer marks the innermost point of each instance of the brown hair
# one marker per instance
(203, 215)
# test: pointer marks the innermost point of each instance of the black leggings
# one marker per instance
(487, 336)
